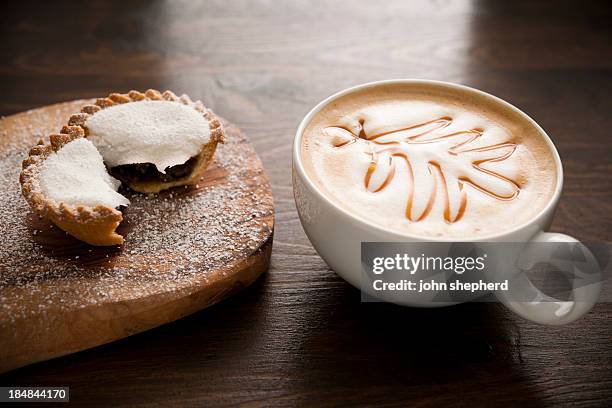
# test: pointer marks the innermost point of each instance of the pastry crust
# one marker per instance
(97, 225)
(94, 225)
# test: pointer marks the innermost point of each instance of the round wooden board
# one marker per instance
(185, 249)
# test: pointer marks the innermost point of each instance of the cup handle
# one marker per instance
(548, 310)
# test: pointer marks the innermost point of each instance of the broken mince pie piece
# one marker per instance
(152, 141)
(66, 181)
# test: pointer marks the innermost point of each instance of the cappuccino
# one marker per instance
(429, 160)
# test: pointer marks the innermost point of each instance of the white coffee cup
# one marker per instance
(337, 234)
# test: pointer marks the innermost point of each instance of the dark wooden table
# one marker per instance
(300, 335)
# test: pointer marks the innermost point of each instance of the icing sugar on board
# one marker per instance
(185, 249)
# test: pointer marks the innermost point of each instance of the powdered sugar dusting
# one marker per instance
(76, 175)
(173, 242)
(160, 132)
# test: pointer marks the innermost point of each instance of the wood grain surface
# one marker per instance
(299, 335)
(185, 249)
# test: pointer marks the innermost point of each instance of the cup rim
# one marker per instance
(299, 167)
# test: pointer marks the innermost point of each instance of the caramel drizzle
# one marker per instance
(435, 169)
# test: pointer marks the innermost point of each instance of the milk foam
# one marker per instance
(429, 162)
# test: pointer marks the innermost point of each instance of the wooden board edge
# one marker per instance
(85, 331)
